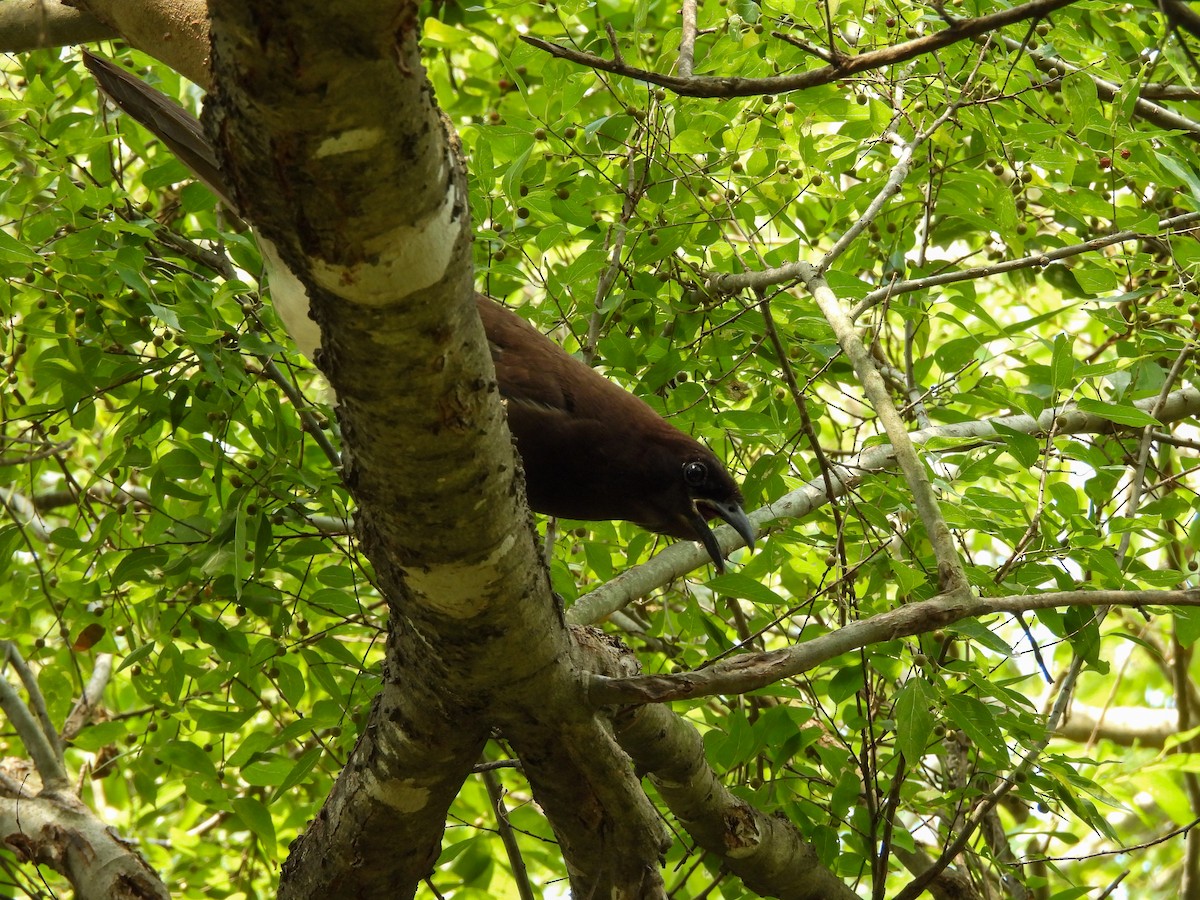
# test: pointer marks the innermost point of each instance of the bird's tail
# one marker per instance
(164, 118)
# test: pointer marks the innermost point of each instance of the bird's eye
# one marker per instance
(695, 473)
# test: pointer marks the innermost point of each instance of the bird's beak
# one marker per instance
(731, 513)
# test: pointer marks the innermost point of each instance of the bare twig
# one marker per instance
(508, 837)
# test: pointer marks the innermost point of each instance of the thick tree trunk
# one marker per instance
(363, 194)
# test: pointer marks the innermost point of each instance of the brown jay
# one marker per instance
(590, 449)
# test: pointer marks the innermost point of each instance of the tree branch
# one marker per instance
(1125, 726)
(951, 578)
(1176, 224)
(56, 830)
(93, 692)
(34, 24)
(687, 40)
(751, 671)
(767, 852)
(36, 733)
(173, 31)
(727, 87)
(1107, 91)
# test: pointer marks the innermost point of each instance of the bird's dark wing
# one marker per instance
(530, 366)
(533, 370)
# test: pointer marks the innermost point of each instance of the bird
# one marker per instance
(590, 449)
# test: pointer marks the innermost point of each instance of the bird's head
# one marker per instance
(694, 488)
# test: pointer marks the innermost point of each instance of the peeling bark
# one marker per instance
(55, 829)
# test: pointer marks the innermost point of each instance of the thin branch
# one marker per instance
(987, 805)
(951, 577)
(789, 378)
(1038, 260)
(1128, 848)
(726, 87)
(508, 837)
(611, 33)
(765, 278)
(634, 187)
(43, 452)
(312, 426)
(819, 52)
(496, 764)
(1147, 440)
(42, 745)
(752, 671)
(891, 187)
(1107, 91)
(23, 510)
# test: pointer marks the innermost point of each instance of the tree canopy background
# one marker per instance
(1000, 225)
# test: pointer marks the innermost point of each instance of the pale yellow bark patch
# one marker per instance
(456, 589)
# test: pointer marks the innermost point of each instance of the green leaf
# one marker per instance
(268, 770)
(735, 584)
(299, 771)
(139, 654)
(187, 756)
(1184, 173)
(913, 714)
(1025, 448)
(258, 819)
(978, 722)
(1094, 279)
(1122, 414)
(1062, 364)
